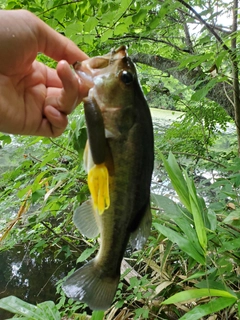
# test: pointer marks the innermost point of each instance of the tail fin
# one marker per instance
(88, 284)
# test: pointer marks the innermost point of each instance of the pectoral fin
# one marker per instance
(96, 130)
(140, 235)
(85, 219)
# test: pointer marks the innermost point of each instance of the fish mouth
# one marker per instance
(119, 53)
(88, 69)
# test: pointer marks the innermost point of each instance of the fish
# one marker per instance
(121, 142)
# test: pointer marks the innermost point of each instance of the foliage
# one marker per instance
(199, 128)
(194, 228)
(43, 311)
(190, 266)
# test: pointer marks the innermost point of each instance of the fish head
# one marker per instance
(111, 78)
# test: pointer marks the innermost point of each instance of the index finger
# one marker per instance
(56, 46)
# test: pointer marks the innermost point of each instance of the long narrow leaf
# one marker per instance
(49, 310)
(196, 212)
(183, 243)
(208, 308)
(175, 213)
(45, 310)
(18, 306)
(177, 179)
(198, 293)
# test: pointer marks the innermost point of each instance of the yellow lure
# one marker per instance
(98, 183)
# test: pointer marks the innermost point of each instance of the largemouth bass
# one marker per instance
(120, 138)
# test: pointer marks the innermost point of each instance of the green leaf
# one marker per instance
(177, 179)
(18, 306)
(164, 9)
(154, 23)
(73, 29)
(89, 39)
(196, 212)
(183, 243)
(200, 59)
(230, 245)
(5, 138)
(22, 192)
(198, 293)
(138, 17)
(106, 35)
(199, 274)
(59, 14)
(174, 213)
(200, 94)
(211, 307)
(86, 254)
(97, 315)
(37, 195)
(125, 4)
(90, 24)
(233, 218)
(121, 28)
(108, 17)
(46, 310)
(38, 181)
(19, 318)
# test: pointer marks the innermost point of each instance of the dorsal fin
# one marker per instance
(85, 219)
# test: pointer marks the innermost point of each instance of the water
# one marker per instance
(32, 277)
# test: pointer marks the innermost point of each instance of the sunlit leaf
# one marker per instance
(45, 310)
(86, 254)
(182, 242)
(198, 293)
(90, 24)
(97, 315)
(211, 307)
(196, 212)
(107, 34)
(139, 16)
(177, 179)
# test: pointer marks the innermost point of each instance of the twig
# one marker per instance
(64, 240)
(48, 164)
(59, 5)
(197, 156)
(61, 147)
(208, 26)
(150, 39)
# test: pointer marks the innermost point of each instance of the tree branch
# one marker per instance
(235, 71)
(208, 26)
(189, 78)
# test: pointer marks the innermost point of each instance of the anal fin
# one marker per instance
(139, 237)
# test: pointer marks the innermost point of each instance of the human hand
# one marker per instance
(35, 99)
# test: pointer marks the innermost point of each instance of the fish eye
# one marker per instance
(126, 77)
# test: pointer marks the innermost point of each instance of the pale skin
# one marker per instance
(35, 99)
